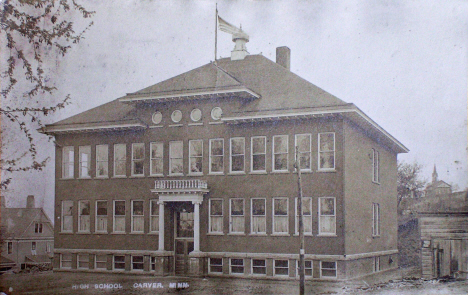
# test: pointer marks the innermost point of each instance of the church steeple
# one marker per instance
(434, 175)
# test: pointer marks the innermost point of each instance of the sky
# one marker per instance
(404, 63)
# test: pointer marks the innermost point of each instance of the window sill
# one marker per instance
(215, 123)
(156, 126)
(216, 173)
(258, 172)
(280, 235)
(119, 176)
(118, 233)
(376, 182)
(83, 178)
(195, 124)
(236, 234)
(100, 233)
(137, 233)
(215, 234)
(66, 232)
(280, 172)
(327, 235)
(176, 125)
(156, 175)
(258, 235)
(137, 176)
(101, 177)
(154, 233)
(374, 237)
(305, 235)
(83, 233)
(176, 175)
(236, 173)
(326, 170)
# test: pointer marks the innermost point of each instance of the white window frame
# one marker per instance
(113, 263)
(274, 268)
(231, 216)
(142, 216)
(219, 216)
(33, 248)
(280, 153)
(135, 160)
(142, 263)
(309, 152)
(124, 216)
(153, 216)
(320, 152)
(375, 166)
(305, 268)
(212, 156)
(376, 219)
(78, 261)
(304, 217)
(63, 260)
(96, 227)
(252, 154)
(232, 265)
(171, 157)
(105, 160)
(38, 227)
(252, 217)
(80, 215)
(62, 217)
(96, 261)
(320, 215)
(322, 268)
(376, 264)
(232, 155)
(161, 145)
(82, 150)
(124, 160)
(253, 267)
(70, 163)
(217, 265)
(48, 248)
(195, 157)
(274, 217)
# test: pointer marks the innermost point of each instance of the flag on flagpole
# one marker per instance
(227, 27)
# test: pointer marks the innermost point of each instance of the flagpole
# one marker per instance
(216, 33)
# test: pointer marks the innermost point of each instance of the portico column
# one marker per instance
(196, 227)
(161, 225)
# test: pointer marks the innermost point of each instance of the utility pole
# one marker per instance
(301, 225)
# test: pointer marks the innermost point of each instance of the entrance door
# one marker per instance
(183, 241)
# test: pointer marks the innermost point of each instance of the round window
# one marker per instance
(176, 116)
(216, 113)
(157, 117)
(195, 115)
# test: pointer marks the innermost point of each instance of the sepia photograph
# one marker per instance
(234, 147)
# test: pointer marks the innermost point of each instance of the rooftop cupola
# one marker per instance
(238, 36)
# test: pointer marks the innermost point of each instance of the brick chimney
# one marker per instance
(30, 202)
(283, 57)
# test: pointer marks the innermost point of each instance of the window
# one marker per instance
(65, 260)
(83, 261)
(258, 216)
(376, 264)
(120, 160)
(258, 161)
(67, 216)
(259, 266)
(375, 166)
(68, 158)
(306, 215)
(303, 142)
(237, 224)
(280, 153)
(328, 269)
(308, 270)
(156, 155)
(10, 247)
(102, 160)
(137, 262)
(327, 216)
(137, 216)
(237, 154)
(281, 268)
(119, 262)
(83, 216)
(216, 216)
(48, 248)
(38, 228)
(216, 155)
(101, 216)
(237, 265)
(33, 248)
(101, 262)
(119, 216)
(85, 161)
(280, 216)
(196, 156)
(216, 265)
(375, 219)
(176, 152)
(154, 216)
(153, 263)
(138, 158)
(326, 151)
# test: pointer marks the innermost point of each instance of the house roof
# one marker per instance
(271, 90)
(16, 221)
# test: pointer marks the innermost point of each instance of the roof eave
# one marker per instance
(53, 130)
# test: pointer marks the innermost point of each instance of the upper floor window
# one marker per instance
(216, 216)
(327, 216)
(216, 155)
(68, 158)
(154, 216)
(328, 269)
(120, 160)
(101, 216)
(176, 161)
(38, 228)
(83, 216)
(303, 142)
(137, 216)
(196, 156)
(138, 158)
(156, 155)
(280, 216)
(258, 152)
(102, 160)
(280, 153)
(10, 247)
(237, 221)
(67, 216)
(237, 154)
(326, 151)
(258, 216)
(85, 161)
(375, 165)
(306, 215)
(119, 216)
(375, 219)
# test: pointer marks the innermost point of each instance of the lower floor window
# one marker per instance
(101, 262)
(137, 262)
(376, 264)
(281, 268)
(237, 266)
(65, 260)
(259, 266)
(119, 262)
(216, 265)
(83, 261)
(328, 269)
(307, 268)
(153, 263)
